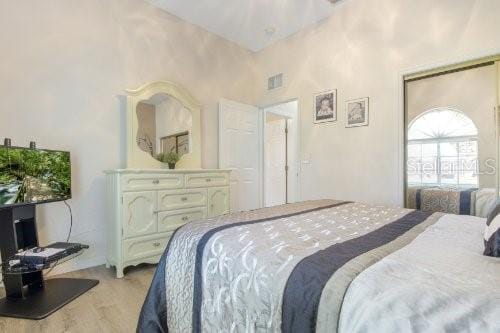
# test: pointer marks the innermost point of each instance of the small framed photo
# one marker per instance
(325, 106)
(357, 112)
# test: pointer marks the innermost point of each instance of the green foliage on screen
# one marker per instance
(29, 175)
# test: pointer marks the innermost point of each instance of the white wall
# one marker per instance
(360, 50)
(63, 70)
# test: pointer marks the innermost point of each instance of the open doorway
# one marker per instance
(280, 143)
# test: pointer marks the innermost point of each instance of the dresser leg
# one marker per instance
(119, 271)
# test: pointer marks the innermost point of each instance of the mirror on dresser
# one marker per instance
(164, 126)
(162, 117)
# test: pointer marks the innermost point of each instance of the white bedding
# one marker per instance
(440, 282)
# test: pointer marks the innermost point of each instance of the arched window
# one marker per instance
(442, 149)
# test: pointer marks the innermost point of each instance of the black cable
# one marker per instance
(71, 220)
(69, 233)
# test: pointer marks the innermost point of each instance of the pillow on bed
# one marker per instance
(492, 232)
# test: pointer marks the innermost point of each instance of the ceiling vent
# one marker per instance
(275, 82)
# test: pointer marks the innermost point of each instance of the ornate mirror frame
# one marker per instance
(139, 159)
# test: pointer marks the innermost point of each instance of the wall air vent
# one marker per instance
(275, 81)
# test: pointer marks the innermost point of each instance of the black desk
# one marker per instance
(29, 295)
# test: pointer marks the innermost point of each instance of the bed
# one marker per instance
(326, 266)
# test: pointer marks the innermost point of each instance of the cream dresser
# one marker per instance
(146, 206)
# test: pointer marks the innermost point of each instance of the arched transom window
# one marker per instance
(442, 149)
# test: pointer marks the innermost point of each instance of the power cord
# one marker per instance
(69, 233)
(71, 220)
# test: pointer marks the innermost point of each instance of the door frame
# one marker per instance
(440, 66)
(296, 163)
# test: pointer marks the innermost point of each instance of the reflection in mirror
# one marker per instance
(451, 145)
(178, 143)
(164, 126)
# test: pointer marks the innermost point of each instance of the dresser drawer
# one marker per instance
(179, 199)
(144, 247)
(171, 220)
(206, 179)
(152, 182)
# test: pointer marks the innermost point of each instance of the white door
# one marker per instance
(275, 161)
(239, 150)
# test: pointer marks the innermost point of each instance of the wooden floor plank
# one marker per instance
(112, 306)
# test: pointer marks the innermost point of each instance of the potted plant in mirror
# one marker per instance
(170, 158)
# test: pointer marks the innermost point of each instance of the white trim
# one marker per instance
(496, 114)
(261, 157)
(445, 139)
(400, 105)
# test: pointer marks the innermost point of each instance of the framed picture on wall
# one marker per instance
(325, 106)
(357, 112)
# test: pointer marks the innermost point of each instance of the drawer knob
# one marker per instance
(156, 244)
(156, 181)
(185, 218)
(184, 199)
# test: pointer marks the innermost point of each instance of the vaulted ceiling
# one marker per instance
(253, 24)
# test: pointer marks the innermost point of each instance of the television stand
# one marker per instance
(28, 295)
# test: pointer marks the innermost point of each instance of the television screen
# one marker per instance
(30, 176)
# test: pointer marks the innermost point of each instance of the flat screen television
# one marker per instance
(33, 176)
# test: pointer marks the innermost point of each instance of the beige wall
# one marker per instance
(472, 92)
(63, 70)
(360, 50)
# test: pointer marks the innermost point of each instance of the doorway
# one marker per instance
(245, 148)
(280, 150)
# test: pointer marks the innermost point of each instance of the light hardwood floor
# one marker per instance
(112, 306)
